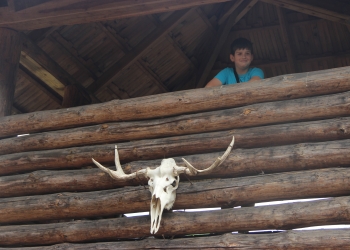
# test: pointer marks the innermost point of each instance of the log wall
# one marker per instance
(292, 141)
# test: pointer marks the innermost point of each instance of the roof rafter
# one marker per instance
(69, 12)
(87, 66)
(229, 11)
(37, 54)
(311, 10)
(139, 50)
(286, 39)
(114, 37)
(24, 72)
(175, 44)
(32, 50)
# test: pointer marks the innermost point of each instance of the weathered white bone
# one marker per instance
(162, 185)
(119, 174)
(162, 181)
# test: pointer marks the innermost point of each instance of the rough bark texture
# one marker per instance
(212, 193)
(274, 89)
(77, 157)
(241, 162)
(287, 240)
(286, 216)
(314, 108)
(259, 151)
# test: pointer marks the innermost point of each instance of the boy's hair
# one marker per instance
(241, 43)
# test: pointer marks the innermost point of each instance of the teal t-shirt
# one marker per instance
(227, 76)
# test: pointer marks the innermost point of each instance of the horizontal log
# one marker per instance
(183, 102)
(323, 107)
(286, 240)
(241, 162)
(212, 193)
(324, 130)
(286, 216)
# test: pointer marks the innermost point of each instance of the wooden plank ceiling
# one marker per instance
(125, 49)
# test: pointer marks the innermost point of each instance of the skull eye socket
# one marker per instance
(173, 184)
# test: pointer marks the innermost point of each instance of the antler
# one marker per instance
(119, 174)
(190, 170)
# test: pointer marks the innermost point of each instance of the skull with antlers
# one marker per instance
(163, 181)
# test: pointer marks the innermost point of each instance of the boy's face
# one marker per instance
(242, 58)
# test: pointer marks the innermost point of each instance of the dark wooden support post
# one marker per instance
(286, 40)
(75, 95)
(10, 50)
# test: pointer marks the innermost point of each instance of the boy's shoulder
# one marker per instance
(227, 70)
(255, 72)
(252, 69)
(230, 69)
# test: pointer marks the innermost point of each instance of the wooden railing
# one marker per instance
(292, 141)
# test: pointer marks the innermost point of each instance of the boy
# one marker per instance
(242, 56)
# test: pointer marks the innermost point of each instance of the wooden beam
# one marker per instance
(220, 39)
(292, 239)
(113, 90)
(180, 52)
(40, 73)
(64, 12)
(284, 216)
(39, 35)
(174, 43)
(311, 10)
(112, 34)
(33, 79)
(114, 37)
(286, 39)
(72, 158)
(37, 54)
(321, 107)
(75, 95)
(233, 7)
(10, 50)
(230, 192)
(68, 49)
(209, 24)
(282, 87)
(34, 52)
(139, 50)
(156, 80)
(241, 162)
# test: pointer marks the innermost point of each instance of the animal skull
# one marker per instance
(162, 185)
(162, 181)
